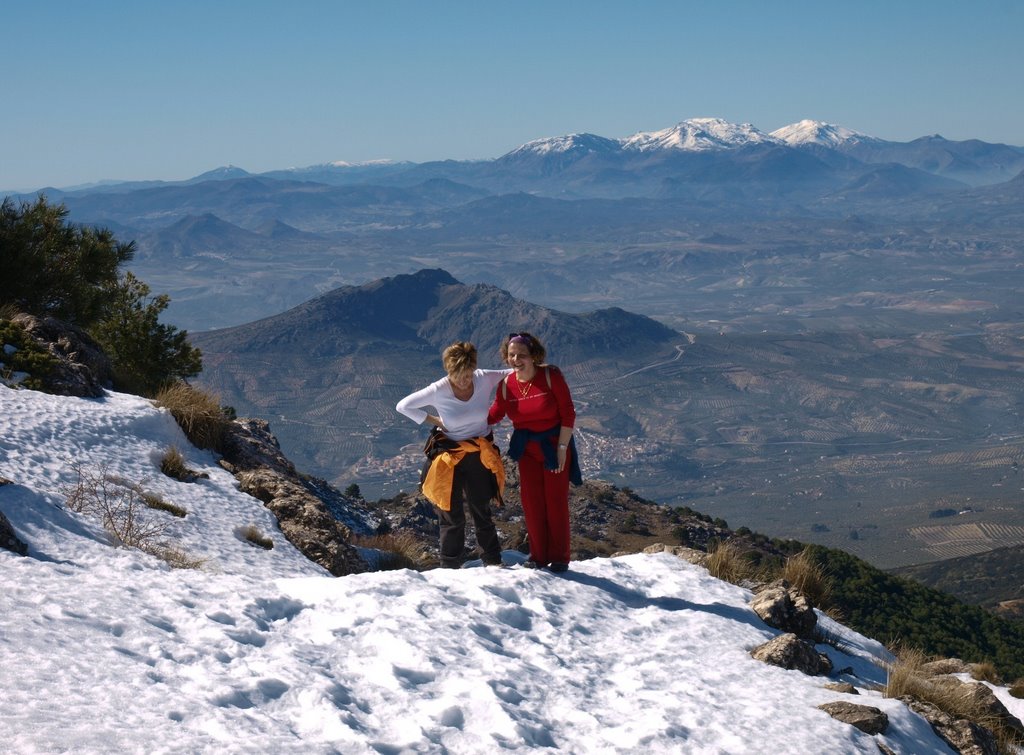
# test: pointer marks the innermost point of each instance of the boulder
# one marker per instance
(8, 539)
(868, 719)
(782, 607)
(790, 652)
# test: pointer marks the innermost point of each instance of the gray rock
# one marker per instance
(692, 555)
(253, 455)
(868, 719)
(845, 687)
(8, 539)
(783, 607)
(790, 652)
(304, 520)
(946, 666)
(82, 368)
(965, 737)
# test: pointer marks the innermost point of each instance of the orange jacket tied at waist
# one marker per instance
(437, 484)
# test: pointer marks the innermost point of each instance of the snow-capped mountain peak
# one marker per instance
(570, 143)
(698, 135)
(818, 132)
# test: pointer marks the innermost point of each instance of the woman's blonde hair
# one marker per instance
(459, 357)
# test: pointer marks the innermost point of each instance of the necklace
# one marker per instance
(524, 388)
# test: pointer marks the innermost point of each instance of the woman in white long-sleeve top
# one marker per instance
(466, 469)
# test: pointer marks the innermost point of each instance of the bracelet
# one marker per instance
(563, 445)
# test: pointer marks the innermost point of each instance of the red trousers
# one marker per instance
(545, 506)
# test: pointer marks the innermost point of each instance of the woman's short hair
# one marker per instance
(531, 342)
(459, 357)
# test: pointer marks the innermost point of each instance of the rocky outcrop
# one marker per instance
(782, 607)
(8, 539)
(845, 687)
(253, 455)
(965, 737)
(692, 555)
(868, 719)
(790, 652)
(979, 697)
(946, 666)
(82, 369)
(304, 520)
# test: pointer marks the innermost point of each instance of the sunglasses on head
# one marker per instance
(524, 337)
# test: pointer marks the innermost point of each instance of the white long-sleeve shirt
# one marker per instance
(461, 419)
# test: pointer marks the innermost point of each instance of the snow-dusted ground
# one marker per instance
(107, 649)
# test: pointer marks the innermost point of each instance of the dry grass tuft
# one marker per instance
(730, 563)
(985, 672)
(400, 550)
(252, 534)
(173, 465)
(157, 502)
(908, 677)
(1017, 689)
(176, 558)
(197, 412)
(809, 577)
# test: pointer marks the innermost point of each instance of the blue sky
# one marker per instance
(167, 90)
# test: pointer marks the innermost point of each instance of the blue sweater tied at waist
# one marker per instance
(517, 445)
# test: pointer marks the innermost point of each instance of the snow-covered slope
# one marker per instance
(107, 649)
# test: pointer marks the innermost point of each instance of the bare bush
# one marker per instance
(118, 506)
(197, 412)
(121, 506)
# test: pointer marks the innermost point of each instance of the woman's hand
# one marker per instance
(435, 421)
(562, 453)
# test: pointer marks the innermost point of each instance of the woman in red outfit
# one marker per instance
(537, 400)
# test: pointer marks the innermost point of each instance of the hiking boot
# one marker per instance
(558, 567)
(531, 564)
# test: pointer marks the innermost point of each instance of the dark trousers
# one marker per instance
(472, 487)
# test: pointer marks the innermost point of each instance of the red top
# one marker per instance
(534, 406)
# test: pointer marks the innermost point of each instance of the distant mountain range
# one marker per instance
(972, 161)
